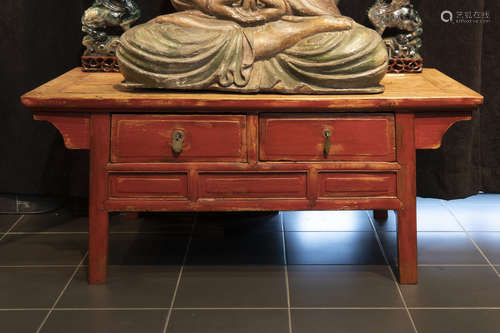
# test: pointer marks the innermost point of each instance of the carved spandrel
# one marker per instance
(74, 128)
(400, 15)
(103, 23)
(430, 128)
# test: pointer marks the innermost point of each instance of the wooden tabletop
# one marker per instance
(101, 92)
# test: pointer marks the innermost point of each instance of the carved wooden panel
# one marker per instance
(74, 128)
(173, 186)
(252, 185)
(357, 184)
(431, 127)
(149, 138)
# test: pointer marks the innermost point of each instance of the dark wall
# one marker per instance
(41, 40)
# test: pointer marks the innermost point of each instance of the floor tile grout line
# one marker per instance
(137, 265)
(44, 321)
(392, 273)
(86, 232)
(325, 231)
(81, 266)
(48, 233)
(484, 231)
(450, 209)
(147, 233)
(177, 234)
(12, 227)
(42, 266)
(453, 265)
(131, 232)
(73, 266)
(24, 309)
(431, 231)
(252, 308)
(179, 277)
(205, 308)
(180, 233)
(349, 308)
(287, 281)
(454, 308)
(166, 232)
(231, 309)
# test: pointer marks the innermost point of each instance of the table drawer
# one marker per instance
(252, 185)
(165, 186)
(204, 138)
(352, 137)
(336, 184)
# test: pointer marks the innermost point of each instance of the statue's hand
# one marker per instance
(338, 23)
(249, 5)
(247, 17)
(249, 20)
(324, 23)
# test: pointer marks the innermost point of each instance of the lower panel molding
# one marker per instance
(262, 185)
(338, 184)
(252, 205)
(171, 185)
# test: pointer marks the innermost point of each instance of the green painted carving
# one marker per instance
(286, 46)
(104, 22)
(401, 15)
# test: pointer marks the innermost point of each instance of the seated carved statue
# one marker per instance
(287, 46)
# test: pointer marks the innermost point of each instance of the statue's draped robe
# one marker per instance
(193, 50)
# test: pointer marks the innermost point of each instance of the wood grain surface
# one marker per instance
(148, 138)
(100, 92)
(300, 137)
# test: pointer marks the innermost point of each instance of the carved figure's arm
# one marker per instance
(271, 9)
(224, 9)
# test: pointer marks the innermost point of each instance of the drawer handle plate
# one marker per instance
(177, 141)
(327, 134)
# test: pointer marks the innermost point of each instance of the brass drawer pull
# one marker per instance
(177, 141)
(327, 134)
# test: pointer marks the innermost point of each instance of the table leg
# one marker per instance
(407, 244)
(98, 247)
(98, 216)
(406, 186)
(380, 214)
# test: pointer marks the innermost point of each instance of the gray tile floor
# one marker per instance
(301, 272)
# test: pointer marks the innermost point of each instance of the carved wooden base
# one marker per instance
(110, 64)
(107, 64)
(405, 65)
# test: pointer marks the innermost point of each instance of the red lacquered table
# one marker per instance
(171, 151)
